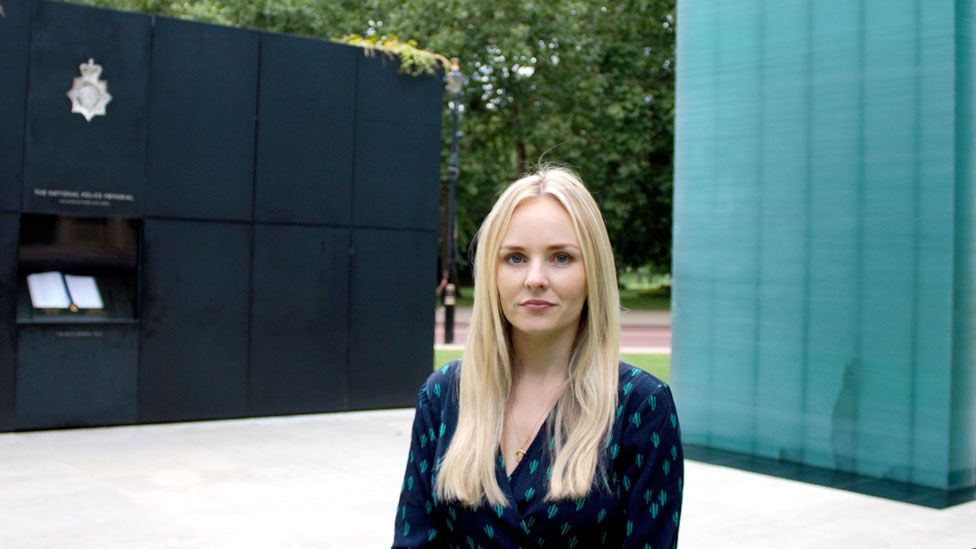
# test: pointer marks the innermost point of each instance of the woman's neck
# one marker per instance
(543, 356)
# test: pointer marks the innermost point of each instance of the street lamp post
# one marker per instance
(454, 81)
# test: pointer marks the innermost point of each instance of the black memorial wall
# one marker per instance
(284, 191)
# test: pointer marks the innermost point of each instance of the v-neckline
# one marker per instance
(517, 481)
(530, 452)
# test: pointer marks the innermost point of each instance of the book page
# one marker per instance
(84, 292)
(47, 291)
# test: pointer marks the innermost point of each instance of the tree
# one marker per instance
(578, 82)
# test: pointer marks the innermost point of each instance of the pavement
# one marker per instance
(332, 480)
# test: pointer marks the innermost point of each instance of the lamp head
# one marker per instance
(454, 80)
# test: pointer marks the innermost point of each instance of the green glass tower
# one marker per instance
(824, 306)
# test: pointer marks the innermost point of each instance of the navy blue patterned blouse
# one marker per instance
(642, 507)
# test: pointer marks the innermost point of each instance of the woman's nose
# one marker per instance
(536, 278)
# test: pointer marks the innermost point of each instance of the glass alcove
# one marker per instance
(78, 270)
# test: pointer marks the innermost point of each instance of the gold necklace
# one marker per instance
(520, 452)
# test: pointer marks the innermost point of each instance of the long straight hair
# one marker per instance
(585, 411)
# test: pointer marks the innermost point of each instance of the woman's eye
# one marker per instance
(562, 259)
(515, 259)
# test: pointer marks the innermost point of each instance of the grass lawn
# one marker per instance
(637, 299)
(659, 365)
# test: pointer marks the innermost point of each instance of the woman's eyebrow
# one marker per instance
(512, 247)
(518, 248)
(566, 246)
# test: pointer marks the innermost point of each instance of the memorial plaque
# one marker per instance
(73, 165)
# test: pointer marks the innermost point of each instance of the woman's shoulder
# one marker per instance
(645, 404)
(642, 392)
(639, 384)
(441, 383)
(446, 373)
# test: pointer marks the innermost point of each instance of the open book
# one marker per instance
(54, 290)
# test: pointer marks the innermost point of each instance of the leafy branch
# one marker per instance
(414, 61)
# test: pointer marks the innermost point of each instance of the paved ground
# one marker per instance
(644, 331)
(332, 480)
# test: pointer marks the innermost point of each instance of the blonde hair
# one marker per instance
(585, 412)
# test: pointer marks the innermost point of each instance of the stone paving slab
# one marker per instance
(332, 480)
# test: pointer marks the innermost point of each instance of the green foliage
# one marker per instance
(645, 300)
(576, 82)
(572, 82)
(640, 291)
(413, 60)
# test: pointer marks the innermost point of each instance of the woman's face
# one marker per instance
(540, 275)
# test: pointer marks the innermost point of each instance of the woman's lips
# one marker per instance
(537, 305)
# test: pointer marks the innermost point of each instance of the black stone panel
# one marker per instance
(8, 307)
(14, 43)
(386, 95)
(72, 165)
(305, 132)
(398, 141)
(76, 375)
(391, 341)
(193, 360)
(201, 121)
(299, 331)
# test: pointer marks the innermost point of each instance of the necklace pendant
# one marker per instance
(519, 454)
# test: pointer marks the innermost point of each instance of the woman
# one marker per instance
(539, 435)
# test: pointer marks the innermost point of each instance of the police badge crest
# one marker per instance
(89, 95)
